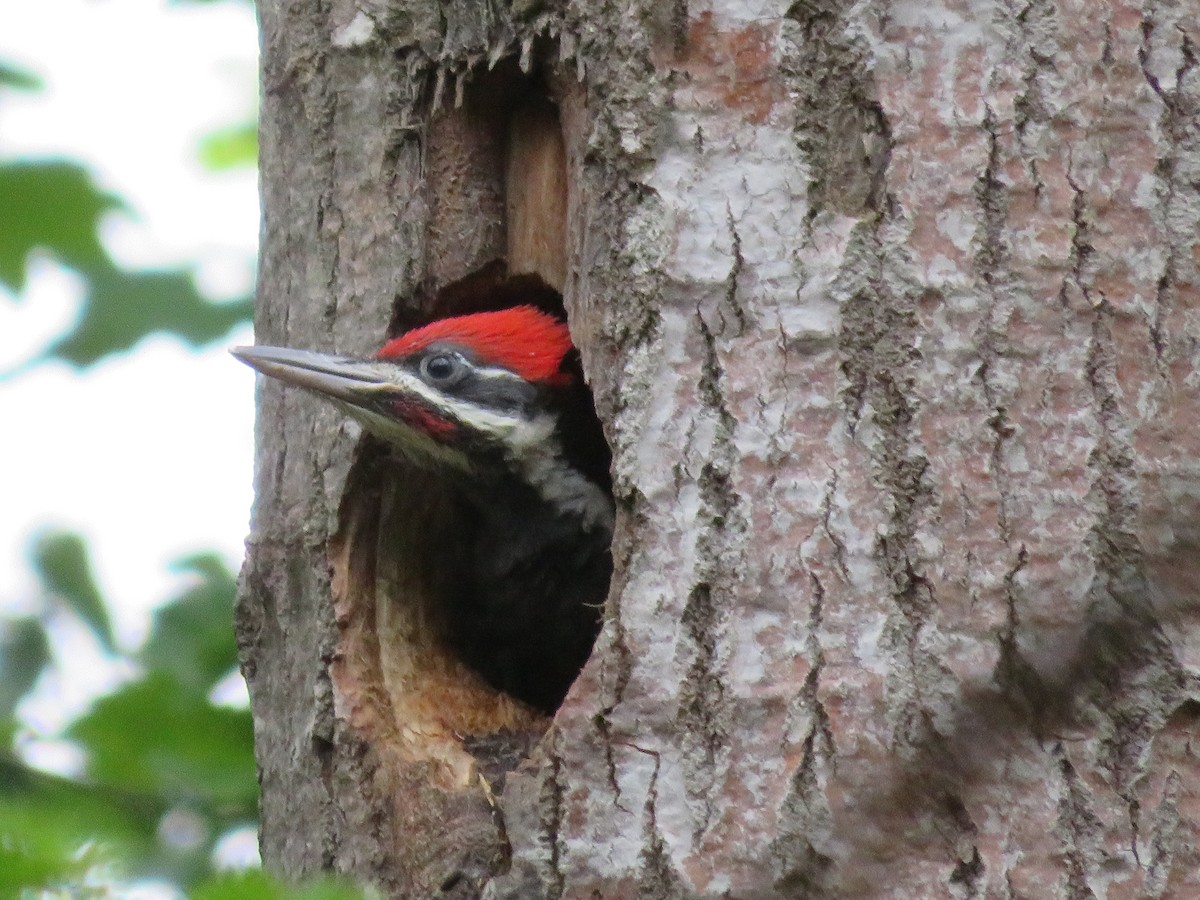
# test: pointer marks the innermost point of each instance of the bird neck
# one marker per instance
(538, 482)
(566, 488)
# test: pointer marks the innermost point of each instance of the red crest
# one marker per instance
(522, 339)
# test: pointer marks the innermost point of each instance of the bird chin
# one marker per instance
(411, 443)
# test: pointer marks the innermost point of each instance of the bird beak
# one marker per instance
(387, 402)
(349, 380)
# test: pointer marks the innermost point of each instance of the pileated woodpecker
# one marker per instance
(496, 401)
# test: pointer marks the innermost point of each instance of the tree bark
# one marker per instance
(892, 314)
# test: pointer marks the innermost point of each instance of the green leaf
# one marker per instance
(53, 206)
(45, 820)
(18, 79)
(30, 867)
(9, 728)
(158, 738)
(231, 147)
(56, 207)
(158, 752)
(62, 563)
(192, 639)
(24, 652)
(123, 307)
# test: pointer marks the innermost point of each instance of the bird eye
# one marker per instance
(441, 368)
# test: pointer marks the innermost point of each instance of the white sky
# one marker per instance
(147, 455)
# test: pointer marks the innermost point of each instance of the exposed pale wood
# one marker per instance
(536, 193)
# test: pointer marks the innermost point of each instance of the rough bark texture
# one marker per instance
(892, 312)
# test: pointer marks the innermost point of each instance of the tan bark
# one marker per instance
(892, 313)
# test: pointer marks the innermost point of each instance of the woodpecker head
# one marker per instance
(476, 395)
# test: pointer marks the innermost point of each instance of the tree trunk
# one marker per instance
(892, 314)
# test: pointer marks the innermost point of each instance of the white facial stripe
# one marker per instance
(499, 374)
(512, 429)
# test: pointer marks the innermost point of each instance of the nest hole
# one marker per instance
(474, 698)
